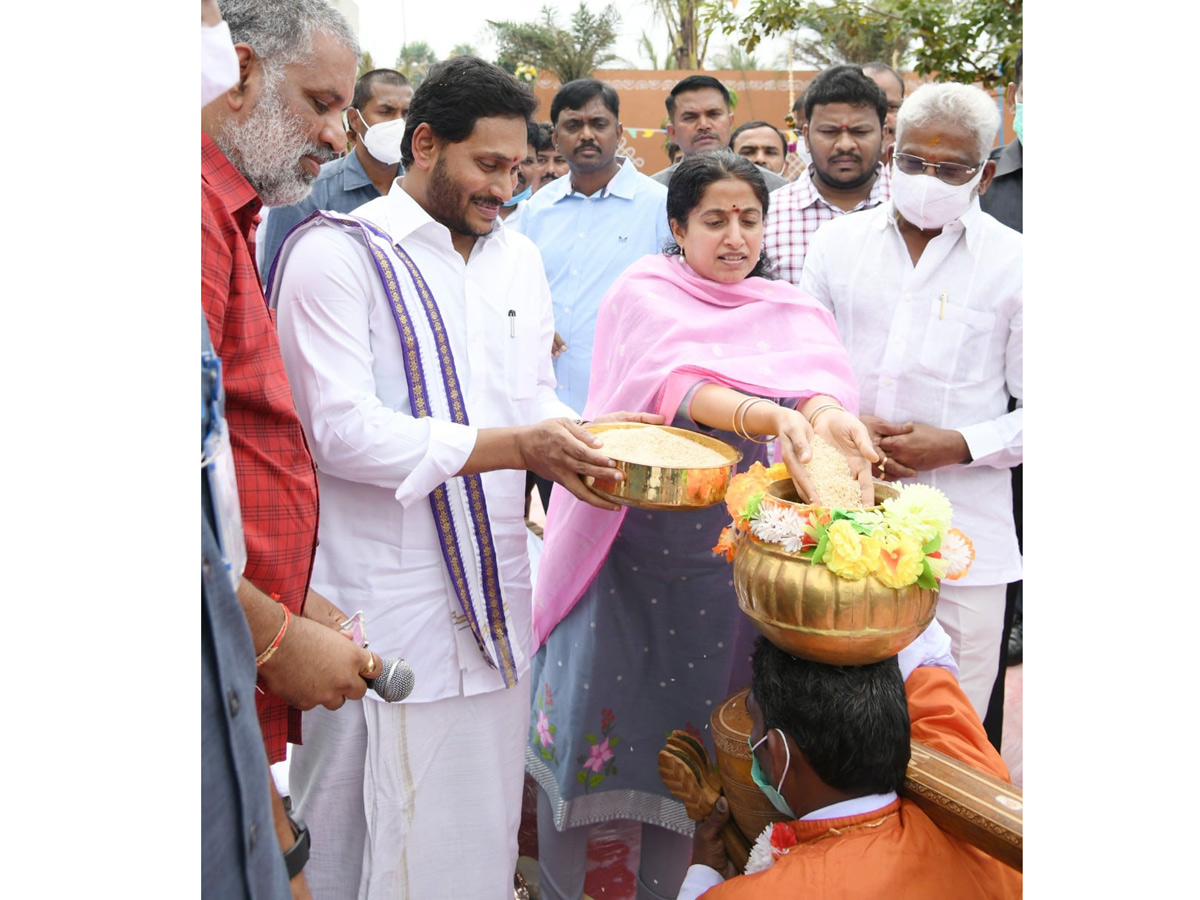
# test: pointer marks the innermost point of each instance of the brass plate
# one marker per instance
(664, 487)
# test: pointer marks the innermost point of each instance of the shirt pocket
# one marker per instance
(957, 342)
(521, 358)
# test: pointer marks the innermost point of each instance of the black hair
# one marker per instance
(545, 137)
(691, 179)
(365, 86)
(455, 93)
(878, 66)
(576, 94)
(845, 84)
(851, 722)
(758, 124)
(672, 148)
(798, 106)
(694, 83)
(533, 132)
(1017, 66)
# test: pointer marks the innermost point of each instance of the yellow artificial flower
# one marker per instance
(847, 553)
(898, 562)
(921, 509)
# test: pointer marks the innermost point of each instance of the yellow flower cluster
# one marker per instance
(894, 560)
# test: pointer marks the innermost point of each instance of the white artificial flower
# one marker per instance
(760, 854)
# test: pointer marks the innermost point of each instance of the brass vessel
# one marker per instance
(808, 611)
(664, 487)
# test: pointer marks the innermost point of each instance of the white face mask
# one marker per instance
(218, 62)
(803, 152)
(928, 202)
(382, 140)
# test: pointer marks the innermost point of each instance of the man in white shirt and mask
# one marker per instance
(417, 336)
(927, 291)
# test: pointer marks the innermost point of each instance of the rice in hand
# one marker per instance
(830, 472)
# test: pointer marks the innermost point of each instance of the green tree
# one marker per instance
(414, 61)
(463, 50)
(954, 40)
(569, 53)
(365, 65)
(688, 29)
(839, 33)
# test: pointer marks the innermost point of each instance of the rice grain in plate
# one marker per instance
(653, 446)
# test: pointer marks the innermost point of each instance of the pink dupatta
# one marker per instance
(660, 329)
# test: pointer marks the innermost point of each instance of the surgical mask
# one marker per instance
(219, 67)
(928, 202)
(1019, 123)
(524, 195)
(383, 139)
(803, 153)
(756, 773)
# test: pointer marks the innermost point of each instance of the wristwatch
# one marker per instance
(297, 855)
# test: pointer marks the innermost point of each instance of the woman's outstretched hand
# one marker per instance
(848, 434)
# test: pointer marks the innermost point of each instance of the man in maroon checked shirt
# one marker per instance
(263, 142)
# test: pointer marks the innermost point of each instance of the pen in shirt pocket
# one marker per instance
(512, 323)
(941, 314)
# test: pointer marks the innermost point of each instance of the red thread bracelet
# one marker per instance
(266, 654)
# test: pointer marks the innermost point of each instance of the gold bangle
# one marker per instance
(812, 420)
(745, 433)
(738, 409)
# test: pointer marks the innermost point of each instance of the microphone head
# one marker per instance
(395, 682)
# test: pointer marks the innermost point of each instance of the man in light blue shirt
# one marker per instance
(380, 96)
(589, 226)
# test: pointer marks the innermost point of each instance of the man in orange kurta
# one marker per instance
(852, 836)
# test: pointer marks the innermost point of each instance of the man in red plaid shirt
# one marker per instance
(263, 142)
(845, 112)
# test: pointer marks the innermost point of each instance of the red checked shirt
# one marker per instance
(277, 482)
(797, 210)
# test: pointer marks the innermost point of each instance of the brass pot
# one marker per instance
(808, 611)
(664, 487)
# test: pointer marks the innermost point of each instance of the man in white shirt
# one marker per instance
(927, 291)
(419, 348)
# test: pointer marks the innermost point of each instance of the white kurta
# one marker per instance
(378, 545)
(951, 364)
(940, 343)
(384, 787)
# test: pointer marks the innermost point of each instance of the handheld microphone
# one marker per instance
(395, 682)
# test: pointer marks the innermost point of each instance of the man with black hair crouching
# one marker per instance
(831, 747)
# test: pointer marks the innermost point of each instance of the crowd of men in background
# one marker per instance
(881, 225)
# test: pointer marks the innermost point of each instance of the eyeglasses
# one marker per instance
(951, 173)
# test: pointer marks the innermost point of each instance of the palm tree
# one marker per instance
(414, 61)
(569, 53)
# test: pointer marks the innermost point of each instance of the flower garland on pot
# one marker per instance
(905, 540)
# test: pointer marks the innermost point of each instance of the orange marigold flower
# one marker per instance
(744, 486)
(726, 544)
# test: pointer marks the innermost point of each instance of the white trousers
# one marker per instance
(974, 619)
(416, 801)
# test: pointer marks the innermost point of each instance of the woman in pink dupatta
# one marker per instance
(638, 624)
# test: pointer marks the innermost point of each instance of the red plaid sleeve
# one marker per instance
(277, 483)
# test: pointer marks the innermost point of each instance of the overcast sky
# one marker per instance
(384, 25)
